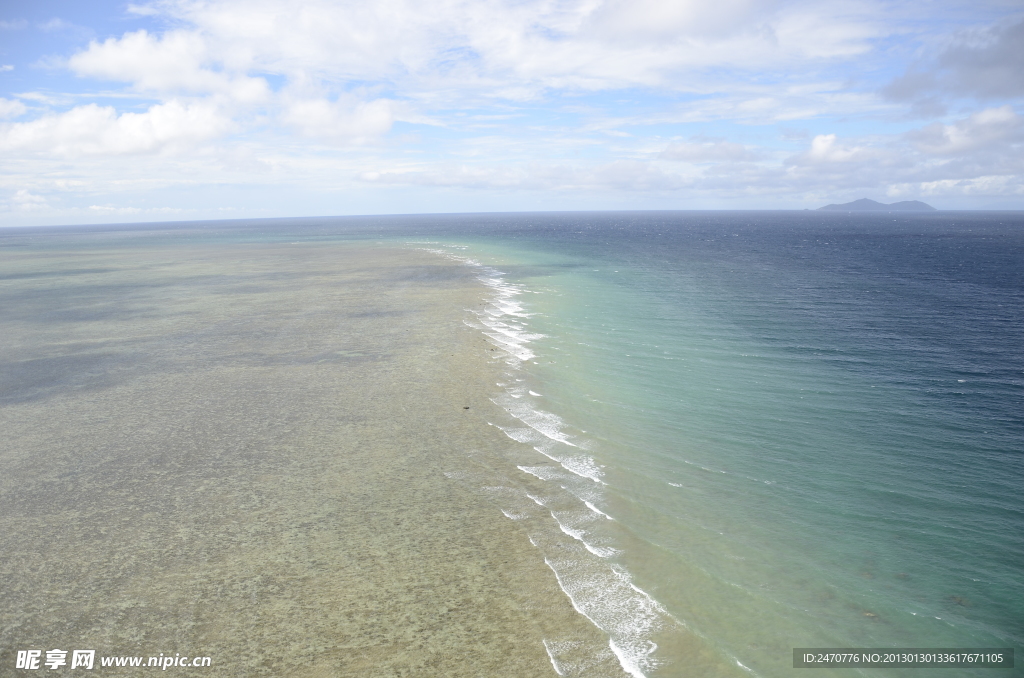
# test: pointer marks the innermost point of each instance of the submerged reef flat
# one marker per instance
(246, 451)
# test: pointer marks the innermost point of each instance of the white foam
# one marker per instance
(572, 523)
(597, 510)
(551, 656)
(572, 600)
(626, 659)
(600, 551)
(583, 466)
(543, 450)
(577, 464)
(704, 468)
(520, 435)
(513, 332)
(745, 668)
(547, 424)
(498, 318)
(603, 595)
(543, 472)
(537, 395)
(510, 346)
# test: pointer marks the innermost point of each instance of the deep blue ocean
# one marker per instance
(811, 426)
(804, 429)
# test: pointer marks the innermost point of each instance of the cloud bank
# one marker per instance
(399, 106)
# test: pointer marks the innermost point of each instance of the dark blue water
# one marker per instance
(812, 426)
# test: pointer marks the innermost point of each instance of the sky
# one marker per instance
(221, 109)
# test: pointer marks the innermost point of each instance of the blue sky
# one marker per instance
(199, 109)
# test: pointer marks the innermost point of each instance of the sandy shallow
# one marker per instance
(240, 451)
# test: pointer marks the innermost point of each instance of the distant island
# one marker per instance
(865, 205)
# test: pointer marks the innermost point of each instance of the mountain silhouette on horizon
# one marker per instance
(866, 205)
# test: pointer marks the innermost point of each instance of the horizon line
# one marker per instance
(522, 212)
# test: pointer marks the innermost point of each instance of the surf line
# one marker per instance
(600, 591)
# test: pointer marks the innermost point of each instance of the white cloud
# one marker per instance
(45, 99)
(988, 185)
(174, 62)
(636, 21)
(27, 202)
(762, 105)
(984, 129)
(841, 171)
(825, 150)
(55, 24)
(110, 209)
(825, 32)
(631, 176)
(352, 121)
(6, 67)
(99, 130)
(11, 108)
(709, 150)
(513, 48)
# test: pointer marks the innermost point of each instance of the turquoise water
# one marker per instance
(769, 430)
(810, 430)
